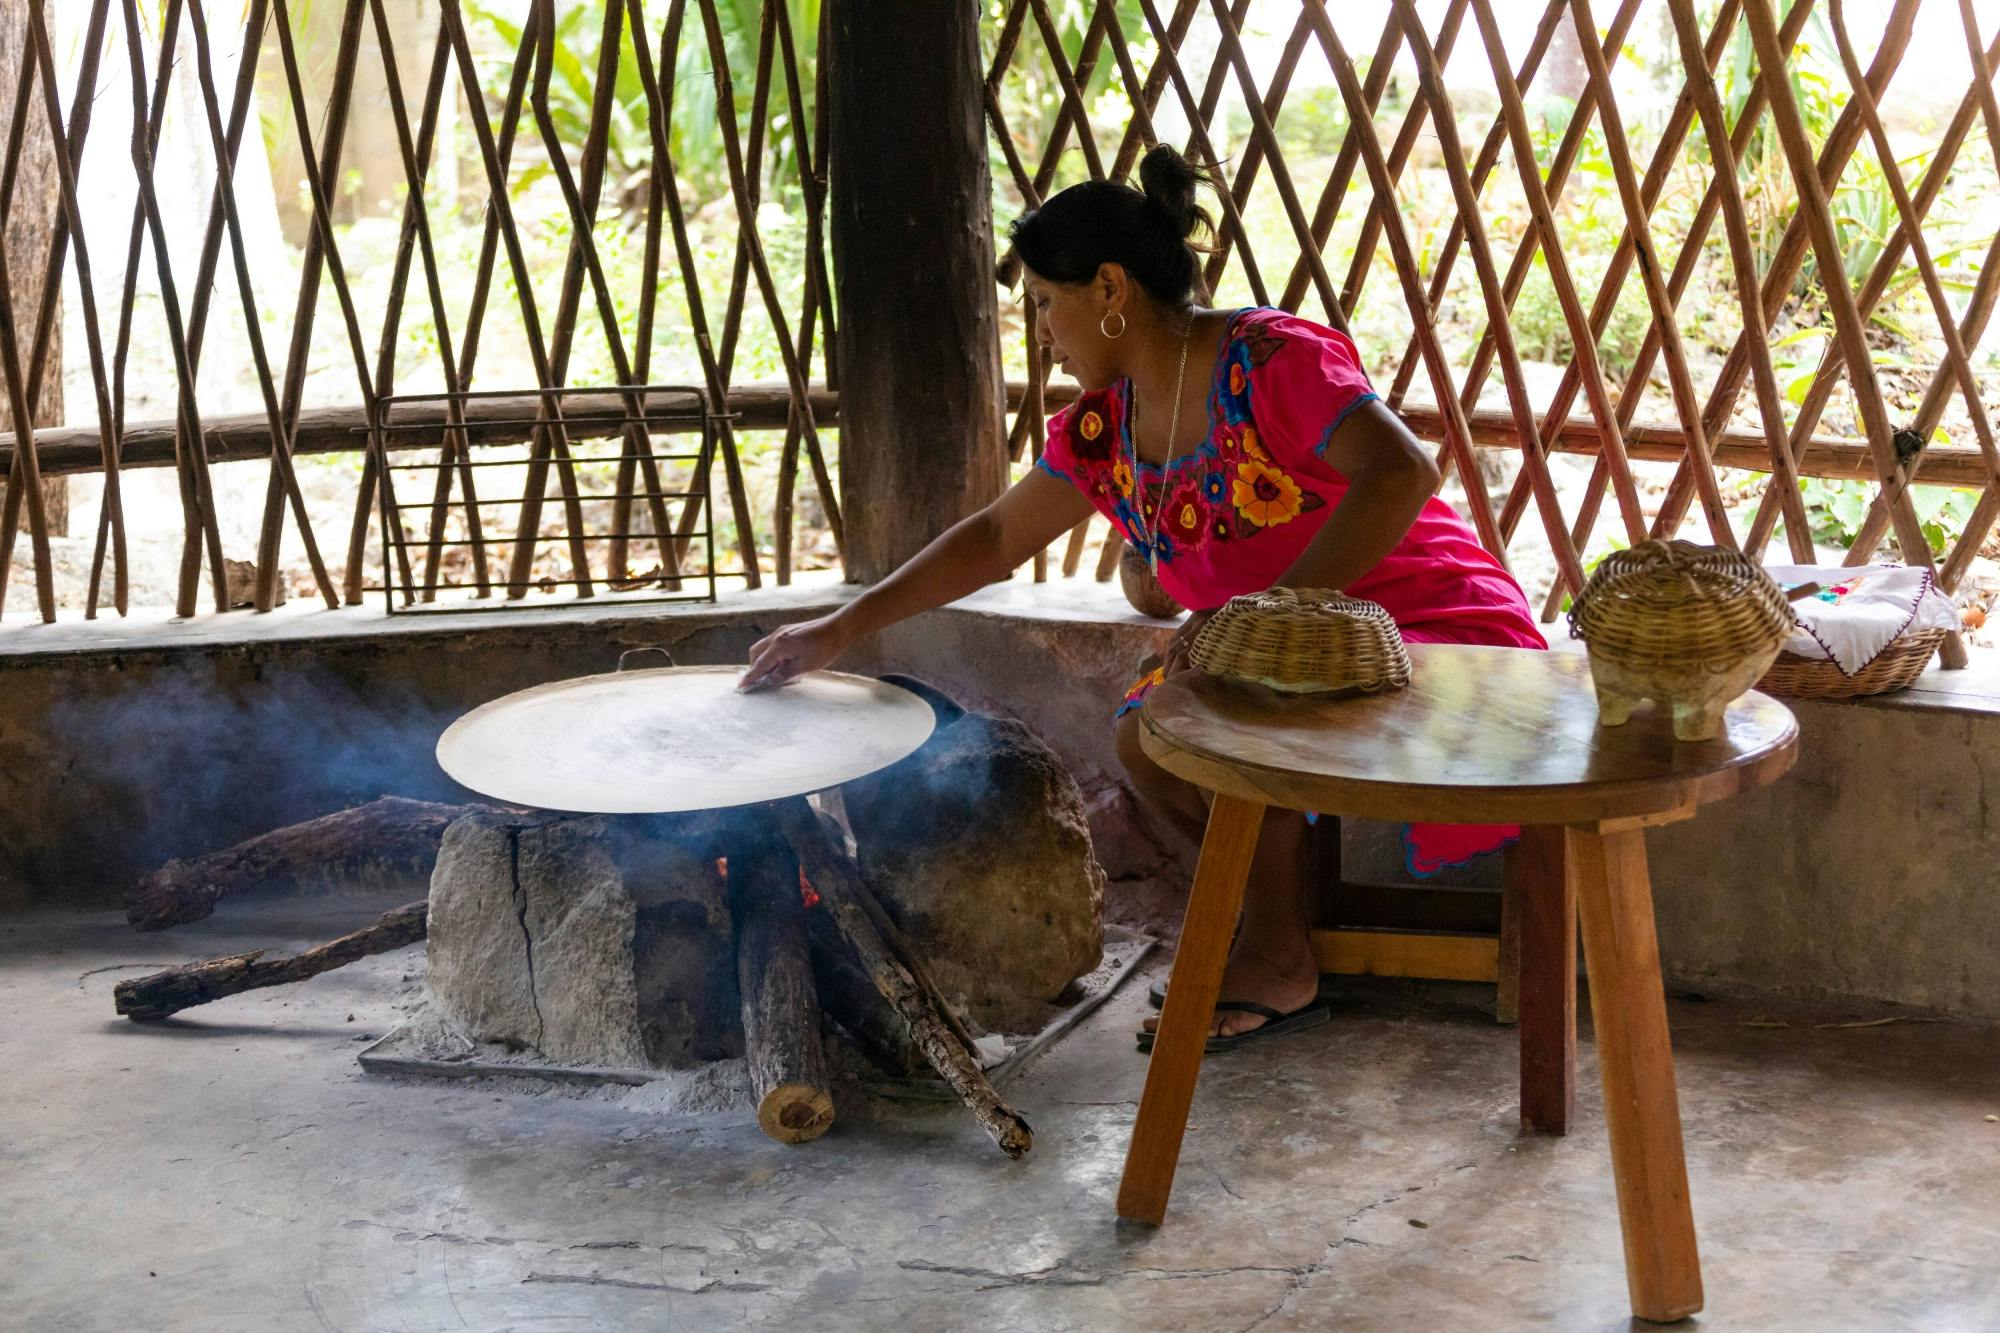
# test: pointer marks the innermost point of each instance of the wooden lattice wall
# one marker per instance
(1694, 430)
(1152, 55)
(154, 61)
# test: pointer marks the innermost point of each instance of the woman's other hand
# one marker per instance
(1177, 659)
(791, 652)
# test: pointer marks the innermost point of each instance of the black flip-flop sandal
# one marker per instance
(1156, 994)
(1275, 1023)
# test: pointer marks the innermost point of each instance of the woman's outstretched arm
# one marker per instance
(974, 552)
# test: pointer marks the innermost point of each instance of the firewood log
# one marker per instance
(159, 994)
(392, 831)
(838, 882)
(775, 978)
(849, 998)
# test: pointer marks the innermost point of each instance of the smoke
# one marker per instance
(174, 762)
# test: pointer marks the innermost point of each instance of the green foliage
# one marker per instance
(1768, 189)
(1316, 121)
(1607, 545)
(1864, 210)
(1031, 94)
(695, 135)
(1542, 334)
(314, 32)
(1838, 507)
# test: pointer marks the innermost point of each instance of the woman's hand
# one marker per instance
(1183, 641)
(794, 650)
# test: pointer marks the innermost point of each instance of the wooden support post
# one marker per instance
(912, 230)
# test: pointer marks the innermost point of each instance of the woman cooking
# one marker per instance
(1235, 451)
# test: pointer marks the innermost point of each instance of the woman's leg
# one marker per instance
(1272, 963)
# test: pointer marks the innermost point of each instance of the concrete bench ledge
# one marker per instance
(154, 631)
(1867, 872)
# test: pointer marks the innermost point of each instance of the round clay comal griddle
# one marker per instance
(680, 738)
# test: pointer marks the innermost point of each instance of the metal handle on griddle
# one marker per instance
(648, 649)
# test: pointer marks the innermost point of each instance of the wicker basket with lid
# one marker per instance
(1689, 627)
(1304, 640)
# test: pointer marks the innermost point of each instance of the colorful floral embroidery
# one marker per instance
(1265, 496)
(1232, 395)
(1140, 689)
(1093, 436)
(1228, 489)
(1186, 517)
(1259, 345)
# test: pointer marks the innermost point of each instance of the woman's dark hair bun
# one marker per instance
(1149, 230)
(1170, 181)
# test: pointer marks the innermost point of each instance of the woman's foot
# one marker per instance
(1285, 984)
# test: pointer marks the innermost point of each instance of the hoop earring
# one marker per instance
(1107, 319)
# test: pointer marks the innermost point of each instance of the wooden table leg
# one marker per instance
(1507, 993)
(1628, 1010)
(1192, 989)
(1541, 880)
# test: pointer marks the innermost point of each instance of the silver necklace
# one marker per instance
(1152, 529)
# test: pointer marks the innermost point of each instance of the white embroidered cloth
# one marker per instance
(1873, 606)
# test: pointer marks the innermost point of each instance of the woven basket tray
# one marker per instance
(1675, 604)
(1304, 640)
(1894, 668)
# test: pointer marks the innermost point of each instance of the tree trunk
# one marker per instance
(30, 231)
(922, 433)
(848, 996)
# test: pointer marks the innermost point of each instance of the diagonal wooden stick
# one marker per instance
(159, 995)
(841, 892)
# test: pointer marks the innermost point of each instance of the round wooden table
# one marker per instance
(1480, 736)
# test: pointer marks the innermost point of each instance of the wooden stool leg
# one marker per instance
(1628, 1010)
(1541, 881)
(1192, 989)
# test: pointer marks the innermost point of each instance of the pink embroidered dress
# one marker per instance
(1241, 509)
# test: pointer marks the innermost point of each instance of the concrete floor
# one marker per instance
(237, 1170)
